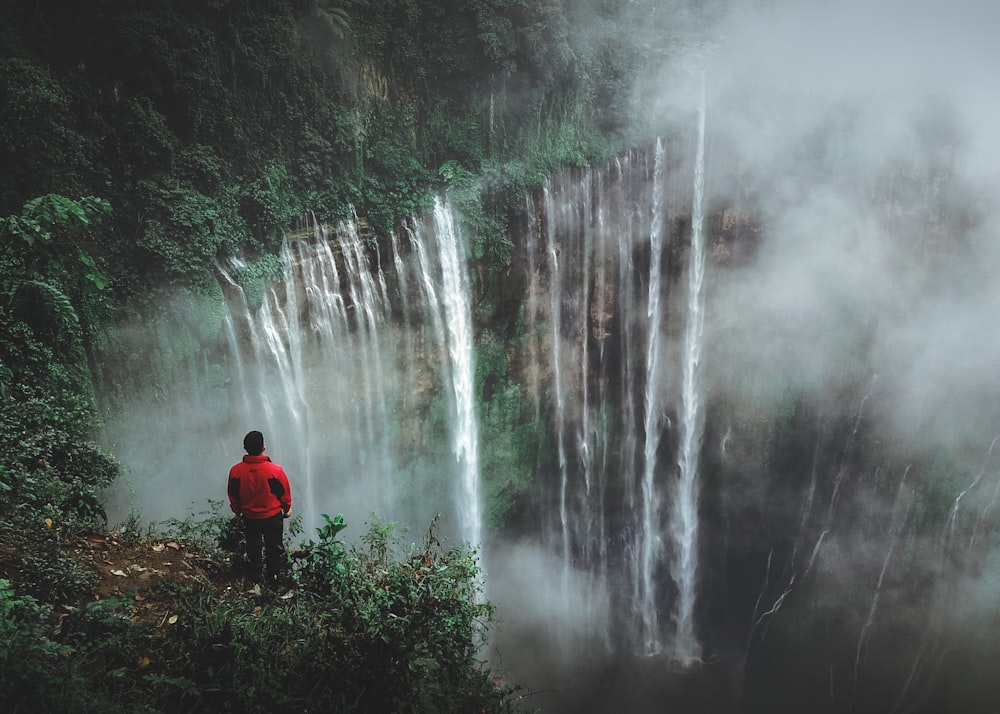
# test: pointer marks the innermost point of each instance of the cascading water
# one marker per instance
(345, 371)
(568, 242)
(692, 495)
(684, 511)
(651, 544)
(557, 386)
(446, 291)
(359, 369)
(309, 324)
(363, 381)
(615, 394)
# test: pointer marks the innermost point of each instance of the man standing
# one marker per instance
(259, 492)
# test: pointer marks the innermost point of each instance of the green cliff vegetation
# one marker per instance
(211, 128)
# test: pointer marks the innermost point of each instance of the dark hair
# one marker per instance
(253, 442)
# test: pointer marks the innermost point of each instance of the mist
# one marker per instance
(861, 137)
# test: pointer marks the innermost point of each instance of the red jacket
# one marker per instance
(258, 488)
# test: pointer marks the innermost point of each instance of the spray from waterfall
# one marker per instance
(283, 368)
(684, 516)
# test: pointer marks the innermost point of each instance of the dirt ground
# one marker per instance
(135, 569)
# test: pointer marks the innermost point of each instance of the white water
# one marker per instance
(446, 290)
(618, 513)
(325, 374)
(555, 317)
(651, 544)
(301, 346)
(617, 521)
(684, 513)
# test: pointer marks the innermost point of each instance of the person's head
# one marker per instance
(253, 442)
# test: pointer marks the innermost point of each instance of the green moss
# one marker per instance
(204, 311)
(507, 458)
(254, 278)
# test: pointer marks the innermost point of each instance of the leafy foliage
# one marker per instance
(49, 461)
(377, 626)
(508, 458)
(41, 147)
(413, 615)
(48, 419)
(51, 471)
(181, 233)
(46, 277)
(212, 127)
(27, 654)
(40, 238)
(221, 123)
(255, 276)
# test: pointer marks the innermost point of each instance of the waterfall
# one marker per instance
(555, 305)
(325, 372)
(622, 513)
(684, 511)
(363, 381)
(357, 363)
(303, 340)
(651, 546)
(446, 289)
(622, 520)
(578, 289)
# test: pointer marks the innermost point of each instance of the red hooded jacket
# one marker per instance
(258, 488)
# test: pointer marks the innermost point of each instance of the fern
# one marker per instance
(44, 307)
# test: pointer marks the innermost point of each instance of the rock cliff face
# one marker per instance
(828, 536)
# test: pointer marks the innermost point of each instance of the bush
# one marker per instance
(41, 563)
(379, 626)
(408, 621)
(28, 657)
(49, 462)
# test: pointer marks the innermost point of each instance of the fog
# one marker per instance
(864, 136)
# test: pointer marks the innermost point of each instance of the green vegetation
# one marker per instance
(508, 457)
(26, 651)
(373, 627)
(51, 292)
(212, 127)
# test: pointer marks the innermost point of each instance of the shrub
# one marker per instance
(377, 626)
(27, 655)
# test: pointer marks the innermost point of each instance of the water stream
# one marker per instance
(330, 360)
(684, 512)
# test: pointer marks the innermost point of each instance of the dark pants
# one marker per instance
(269, 533)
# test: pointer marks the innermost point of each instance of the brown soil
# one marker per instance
(137, 569)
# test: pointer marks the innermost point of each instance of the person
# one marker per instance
(259, 493)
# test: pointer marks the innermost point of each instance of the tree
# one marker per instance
(45, 275)
(51, 472)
